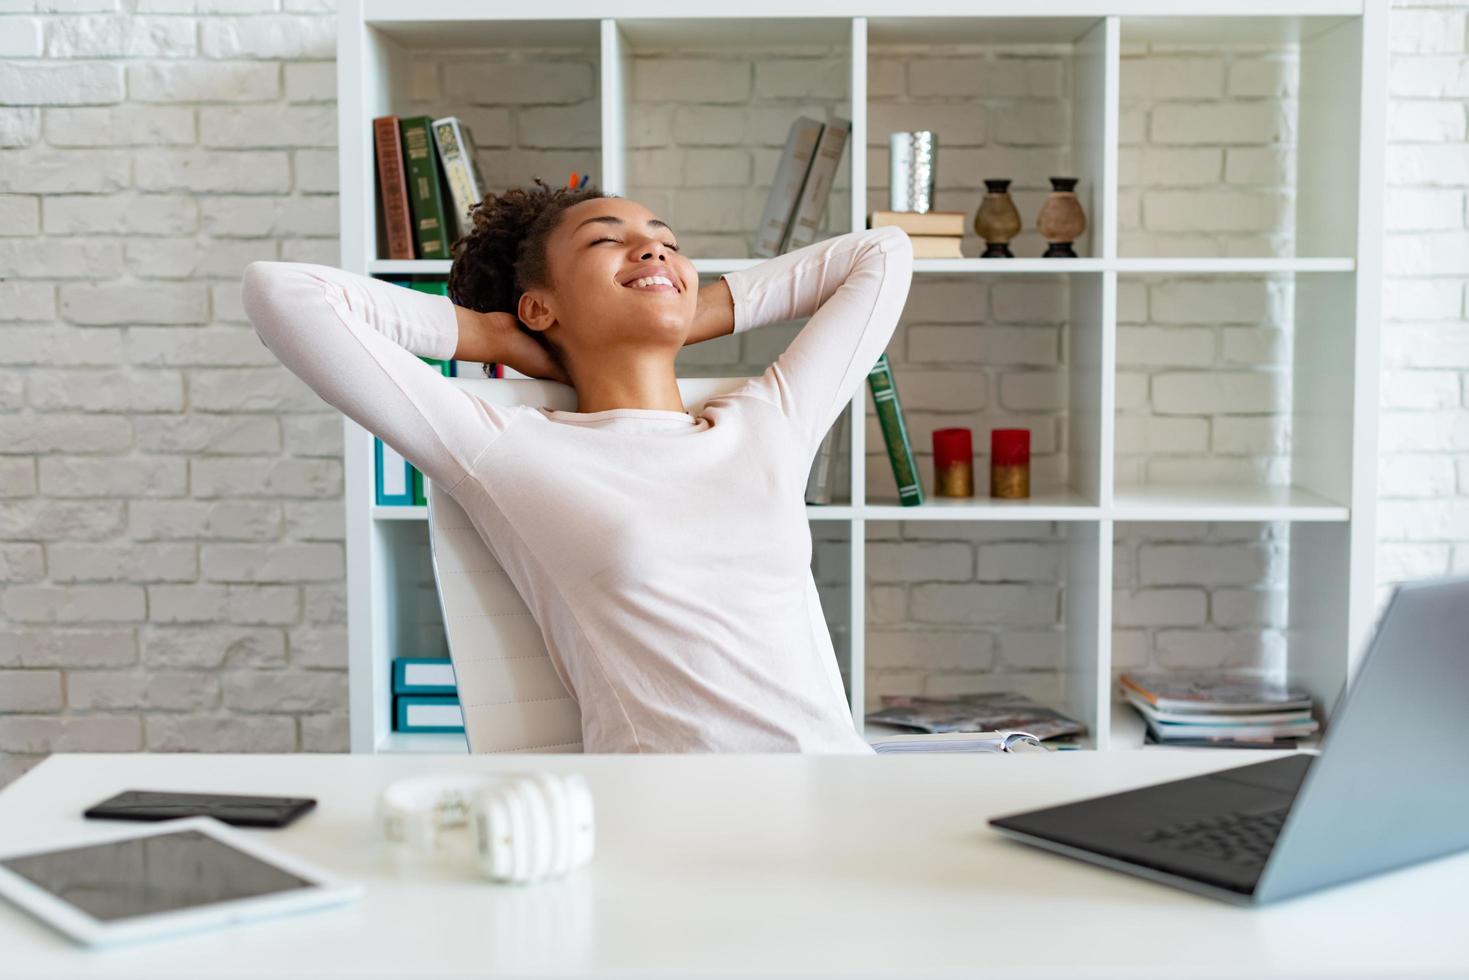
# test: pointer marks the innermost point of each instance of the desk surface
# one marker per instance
(739, 865)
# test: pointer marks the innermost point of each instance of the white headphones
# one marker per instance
(527, 826)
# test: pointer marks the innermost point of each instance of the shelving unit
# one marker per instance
(1333, 264)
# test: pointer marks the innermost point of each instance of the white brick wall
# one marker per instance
(170, 523)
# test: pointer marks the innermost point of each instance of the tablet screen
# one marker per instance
(156, 873)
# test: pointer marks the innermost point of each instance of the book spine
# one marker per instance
(427, 713)
(814, 195)
(916, 223)
(785, 189)
(424, 191)
(456, 150)
(894, 433)
(393, 186)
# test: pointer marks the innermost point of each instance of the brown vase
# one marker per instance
(1061, 219)
(997, 221)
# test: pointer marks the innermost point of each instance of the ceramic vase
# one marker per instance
(997, 221)
(1061, 219)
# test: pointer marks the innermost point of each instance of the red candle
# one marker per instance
(953, 463)
(1010, 463)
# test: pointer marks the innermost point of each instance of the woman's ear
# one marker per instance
(534, 312)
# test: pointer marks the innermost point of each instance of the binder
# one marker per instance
(427, 713)
(424, 675)
(394, 475)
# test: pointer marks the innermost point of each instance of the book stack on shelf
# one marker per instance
(425, 695)
(1220, 709)
(934, 234)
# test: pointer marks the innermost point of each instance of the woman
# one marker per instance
(665, 556)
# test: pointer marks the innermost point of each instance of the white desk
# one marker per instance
(797, 866)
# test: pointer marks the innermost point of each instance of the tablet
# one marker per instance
(183, 875)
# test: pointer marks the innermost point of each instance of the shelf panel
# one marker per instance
(977, 266)
(429, 743)
(1061, 505)
(1208, 502)
(1223, 265)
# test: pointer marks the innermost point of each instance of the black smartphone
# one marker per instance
(242, 811)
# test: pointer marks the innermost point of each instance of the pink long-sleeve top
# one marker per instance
(665, 556)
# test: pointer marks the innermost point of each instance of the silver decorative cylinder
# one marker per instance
(911, 161)
(925, 161)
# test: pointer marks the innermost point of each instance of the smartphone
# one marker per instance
(242, 811)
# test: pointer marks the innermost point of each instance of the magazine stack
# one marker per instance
(1215, 708)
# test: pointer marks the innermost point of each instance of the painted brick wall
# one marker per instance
(171, 557)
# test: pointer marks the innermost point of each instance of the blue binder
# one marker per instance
(404, 681)
(427, 713)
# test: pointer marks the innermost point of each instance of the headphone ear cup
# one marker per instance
(497, 857)
(554, 791)
(583, 822)
(540, 830)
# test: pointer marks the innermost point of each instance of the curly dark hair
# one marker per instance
(504, 253)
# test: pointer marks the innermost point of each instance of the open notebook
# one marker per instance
(996, 741)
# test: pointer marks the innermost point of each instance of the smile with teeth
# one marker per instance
(652, 282)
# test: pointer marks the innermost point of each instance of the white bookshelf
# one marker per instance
(1334, 262)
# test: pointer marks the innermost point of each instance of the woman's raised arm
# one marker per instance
(356, 341)
(853, 288)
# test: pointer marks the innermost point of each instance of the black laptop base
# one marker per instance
(1215, 829)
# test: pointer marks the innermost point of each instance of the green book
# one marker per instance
(894, 432)
(425, 189)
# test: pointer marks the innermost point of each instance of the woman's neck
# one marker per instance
(636, 382)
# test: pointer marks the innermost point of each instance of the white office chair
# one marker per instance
(510, 694)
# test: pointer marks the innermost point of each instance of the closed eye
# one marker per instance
(596, 240)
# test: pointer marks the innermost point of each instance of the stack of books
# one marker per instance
(934, 234)
(1219, 709)
(803, 179)
(983, 715)
(425, 695)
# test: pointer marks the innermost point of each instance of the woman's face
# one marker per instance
(605, 256)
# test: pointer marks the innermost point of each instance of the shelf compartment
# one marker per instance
(967, 607)
(702, 154)
(1009, 97)
(529, 90)
(1012, 352)
(1239, 385)
(1255, 597)
(1235, 138)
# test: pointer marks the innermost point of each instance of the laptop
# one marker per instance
(1389, 788)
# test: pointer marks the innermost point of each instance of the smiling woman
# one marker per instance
(665, 557)
(598, 282)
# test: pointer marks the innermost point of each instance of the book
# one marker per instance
(785, 189)
(424, 675)
(981, 712)
(889, 412)
(947, 223)
(393, 475)
(1168, 732)
(811, 207)
(427, 713)
(825, 482)
(1219, 691)
(425, 189)
(1211, 717)
(393, 187)
(936, 247)
(455, 143)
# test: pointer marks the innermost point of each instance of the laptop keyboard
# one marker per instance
(1239, 838)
